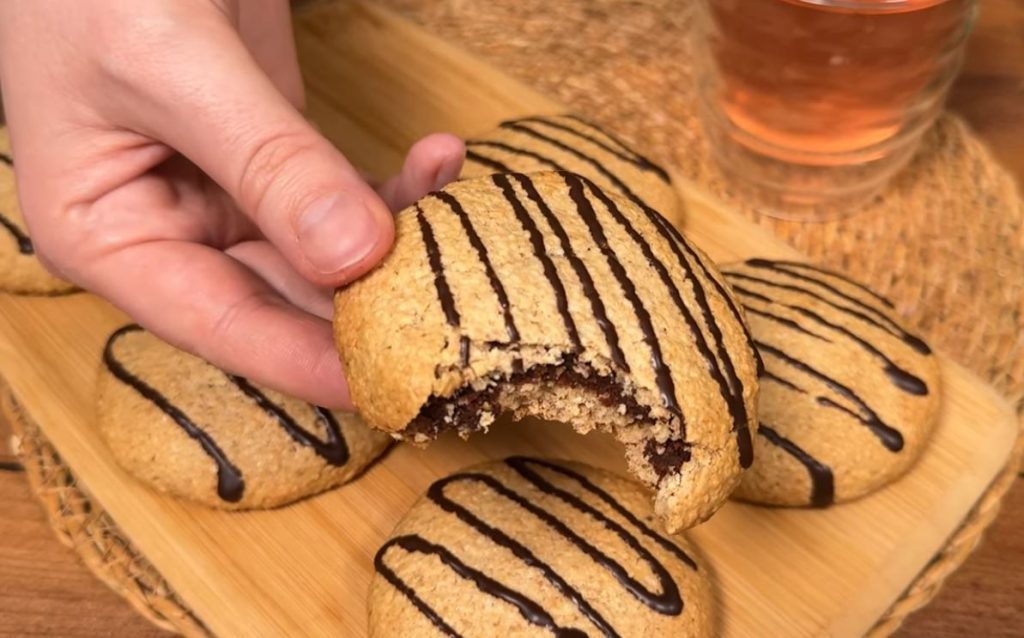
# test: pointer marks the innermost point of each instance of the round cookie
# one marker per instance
(189, 429)
(571, 143)
(529, 547)
(848, 398)
(541, 294)
(20, 271)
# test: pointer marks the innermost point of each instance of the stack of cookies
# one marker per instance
(547, 281)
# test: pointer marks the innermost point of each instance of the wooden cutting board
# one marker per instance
(375, 84)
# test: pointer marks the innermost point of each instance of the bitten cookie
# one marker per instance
(20, 271)
(528, 547)
(849, 397)
(541, 294)
(189, 429)
(571, 143)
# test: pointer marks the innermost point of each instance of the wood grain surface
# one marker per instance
(44, 591)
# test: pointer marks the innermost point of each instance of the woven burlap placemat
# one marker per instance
(945, 241)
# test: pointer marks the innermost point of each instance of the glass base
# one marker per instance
(805, 192)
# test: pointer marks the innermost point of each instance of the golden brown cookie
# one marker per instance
(849, 396)
(527, 547)
(574, 144)
(20, 271)
(541, 294)
(189, 429)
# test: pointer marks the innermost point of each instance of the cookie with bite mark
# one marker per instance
(525, 547)
(193, 431)
(849, 396)
(542, 294)
(20, 270)
(574, 144)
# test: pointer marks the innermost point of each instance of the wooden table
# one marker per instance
(45, 590)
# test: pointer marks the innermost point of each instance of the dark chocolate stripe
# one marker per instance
(667, 602)
(520, 463)
(901, 378)
(663, 375)
(533, 612)
(334, 450)
(493, 164)
(620, 150)
(407, 591)
(822, 482)
(540, 252)
(515, 150)
(768, 376)
(230, 484)
(520, 551)
(735, 402)
(662, 174)
(481, 252)
(586, 281)
(24, 243)
(11, 466)
(803, 266)
(889, 436)
(444, 293)
(868, 313)
(785, 321)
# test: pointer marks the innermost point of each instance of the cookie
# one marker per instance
(571, 143)
(541, 294)
(193, 431)
(849, 396)
(20, 270)
(528, 547)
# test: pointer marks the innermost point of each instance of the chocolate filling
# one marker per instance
(671, 457)
(462, 410)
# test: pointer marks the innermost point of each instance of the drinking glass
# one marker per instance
(812, 105)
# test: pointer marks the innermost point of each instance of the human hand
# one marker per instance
(164, 165)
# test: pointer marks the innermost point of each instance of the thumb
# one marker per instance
(216, 106)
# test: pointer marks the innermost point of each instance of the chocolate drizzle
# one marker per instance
(334, 450)
(515, 150)
(866, 312)
(822, 481)
(667, 601)
(540, 252)
(483, 160)
(586, 281)
(533, 612)
(731, 386)
(662, 374)
(797, 265)
(481, 252)
(24, 243)
(718, 360)
(444, 293)
(619, 150)
(230, 484)
(889, 436)
(900, 377)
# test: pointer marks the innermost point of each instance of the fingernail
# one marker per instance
(337, 232)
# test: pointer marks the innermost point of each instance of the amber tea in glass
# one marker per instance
(815, 104)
